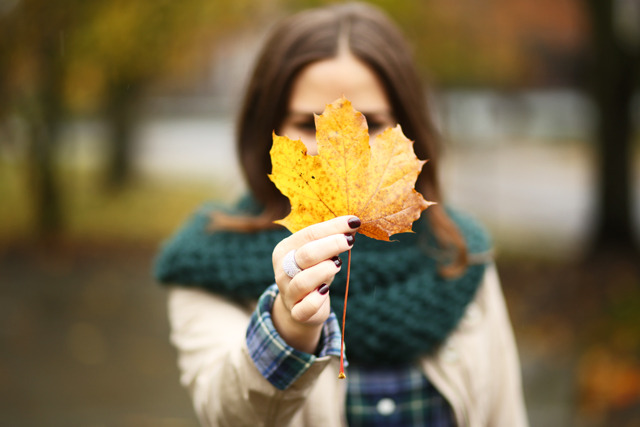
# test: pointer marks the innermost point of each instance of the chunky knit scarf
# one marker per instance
(399, 309)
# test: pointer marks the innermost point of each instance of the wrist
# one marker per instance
(301, 336)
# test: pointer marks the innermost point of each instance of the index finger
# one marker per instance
(340, 225)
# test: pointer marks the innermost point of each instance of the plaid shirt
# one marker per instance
(395, 397)
(376, 397)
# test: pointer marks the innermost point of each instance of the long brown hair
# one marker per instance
(314, 35)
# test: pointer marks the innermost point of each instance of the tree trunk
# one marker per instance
(121, 116)
(43, 179)
(44, 112)
(614, 70)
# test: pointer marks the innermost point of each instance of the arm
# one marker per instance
(226, 387)
(232, 380)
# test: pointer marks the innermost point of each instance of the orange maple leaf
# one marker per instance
(348, 176)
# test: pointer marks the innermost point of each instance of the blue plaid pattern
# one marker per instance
(395, 397)
(411, 400)
(277, 361)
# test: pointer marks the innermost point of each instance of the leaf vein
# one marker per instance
(381, 175)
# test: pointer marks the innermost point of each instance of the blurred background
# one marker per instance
(117, 121)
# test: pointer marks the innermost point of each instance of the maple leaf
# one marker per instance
(348, 176)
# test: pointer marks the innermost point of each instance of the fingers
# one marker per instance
(340, 225)
(313, 309)
(315, 243)
(308, 281)
(316, 248)
(319, 250)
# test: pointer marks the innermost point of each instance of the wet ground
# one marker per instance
(84, 341)
(578, 331)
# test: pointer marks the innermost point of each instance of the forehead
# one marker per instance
(322, 82)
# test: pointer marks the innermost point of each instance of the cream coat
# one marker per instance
(476, 370)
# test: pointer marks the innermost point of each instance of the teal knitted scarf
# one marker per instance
(400, 308)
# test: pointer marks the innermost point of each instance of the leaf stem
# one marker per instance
(344, 315)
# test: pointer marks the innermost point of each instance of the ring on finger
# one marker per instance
(289, 264)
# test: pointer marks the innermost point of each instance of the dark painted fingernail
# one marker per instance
(336, 259)
(354, 222)
(350, 238)
(323, 289)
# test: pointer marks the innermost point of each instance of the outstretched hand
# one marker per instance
(303, 305)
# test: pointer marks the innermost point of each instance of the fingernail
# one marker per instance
(354, 222)
(323, 289)
(337, 260)
(350, 238)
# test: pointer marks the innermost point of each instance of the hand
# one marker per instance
(301, 308)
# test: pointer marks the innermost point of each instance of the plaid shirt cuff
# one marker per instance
(277, 361)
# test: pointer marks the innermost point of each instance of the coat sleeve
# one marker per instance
(226, 387)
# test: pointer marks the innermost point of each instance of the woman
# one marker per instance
(428, 338)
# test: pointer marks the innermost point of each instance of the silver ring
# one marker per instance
(289, 264)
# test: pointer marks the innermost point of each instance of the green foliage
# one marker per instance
(145, 212)
(100, 44)
(74, 56)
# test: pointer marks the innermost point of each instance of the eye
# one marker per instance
(375, 126)
(307, 126)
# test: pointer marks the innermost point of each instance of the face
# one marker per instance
(321, 83)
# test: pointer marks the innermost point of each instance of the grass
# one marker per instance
(145, 211)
